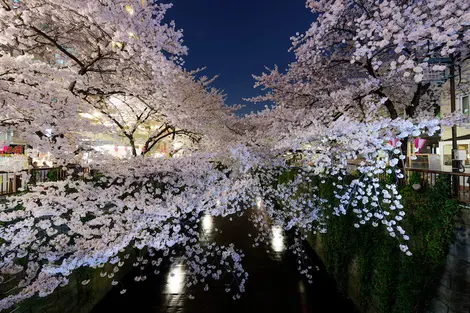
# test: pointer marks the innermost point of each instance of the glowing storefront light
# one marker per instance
(175, 279)
(277, 241)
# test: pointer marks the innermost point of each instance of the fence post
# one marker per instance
(14, 183)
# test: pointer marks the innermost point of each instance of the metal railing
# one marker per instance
(427, 179)
(11, 183)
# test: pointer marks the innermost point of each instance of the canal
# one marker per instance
(274, 284)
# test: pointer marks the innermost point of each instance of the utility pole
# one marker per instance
(456, 166)
(455, 163)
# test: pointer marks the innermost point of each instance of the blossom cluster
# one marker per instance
(117, 70)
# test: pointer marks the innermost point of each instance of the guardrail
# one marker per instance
(11, 183)
(428, 178)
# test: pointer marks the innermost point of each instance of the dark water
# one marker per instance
(274, 284)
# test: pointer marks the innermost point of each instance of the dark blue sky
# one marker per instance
(238, 38)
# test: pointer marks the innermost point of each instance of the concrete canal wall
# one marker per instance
(453, 291)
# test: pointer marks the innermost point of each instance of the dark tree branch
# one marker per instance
(6, 6)
(62, 49)
(420, 91)
(388, 103)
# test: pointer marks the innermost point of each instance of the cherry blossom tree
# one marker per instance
(68, 69)
(63, 68)
(369, 58)
(63, 58)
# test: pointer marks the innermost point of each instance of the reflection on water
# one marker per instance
(277, 241)
(303, 297)
(207, 223)
(273, 285)
(175, 279)
(259, 203)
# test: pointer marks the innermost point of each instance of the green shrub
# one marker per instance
(390, 281)
(52, 174)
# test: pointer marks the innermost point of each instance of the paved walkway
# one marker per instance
(274, 284)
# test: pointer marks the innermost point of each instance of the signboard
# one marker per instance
(12, 149)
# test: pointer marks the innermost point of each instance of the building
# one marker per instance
(462, 83)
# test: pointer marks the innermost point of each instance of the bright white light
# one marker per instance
(277, 241)
(115, 101)
(175, 279)
(259, 203)
(92, 115)
(207, 223)
(177, 145)
(129, 9)
(87, 115)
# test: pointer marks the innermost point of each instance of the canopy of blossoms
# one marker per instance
(69, 69)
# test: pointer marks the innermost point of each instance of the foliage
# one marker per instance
(52, 174)
(415, 178)
(389, 281)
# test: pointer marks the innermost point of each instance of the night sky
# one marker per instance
(238, 38)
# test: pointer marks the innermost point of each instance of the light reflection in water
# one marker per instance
(277, 241)
(175, 279)
(259, 203)
(207, 223)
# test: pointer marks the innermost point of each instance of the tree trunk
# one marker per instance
(420, 91)
(134, 151)
(388, 104)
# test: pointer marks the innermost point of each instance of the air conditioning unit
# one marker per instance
(460, 155)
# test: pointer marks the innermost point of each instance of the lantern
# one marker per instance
(419, 143)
